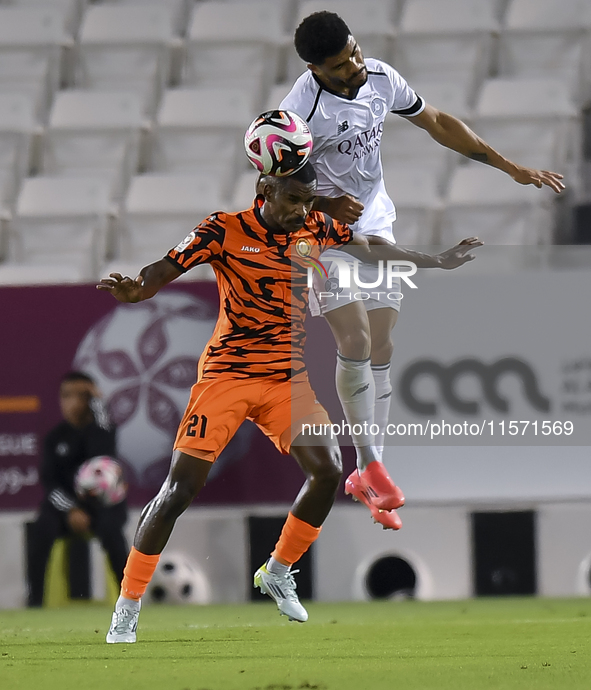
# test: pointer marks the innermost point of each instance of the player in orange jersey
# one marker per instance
(252, 368)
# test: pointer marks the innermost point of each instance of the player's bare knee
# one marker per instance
(381, 352)
(172, 500)
(330, 470)
(355, 344)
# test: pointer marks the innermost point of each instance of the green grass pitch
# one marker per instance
(477, 644)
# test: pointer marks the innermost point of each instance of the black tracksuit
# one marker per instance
(65, 448)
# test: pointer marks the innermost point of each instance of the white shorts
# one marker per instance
(327, 294)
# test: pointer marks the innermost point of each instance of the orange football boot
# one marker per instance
(354, 487)
(376, 481)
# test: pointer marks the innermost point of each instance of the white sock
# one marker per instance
(129, 603)
(356, 390)
(381, 376)
(277, 568)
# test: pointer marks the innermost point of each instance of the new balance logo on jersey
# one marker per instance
(254, 250)
(343, 127)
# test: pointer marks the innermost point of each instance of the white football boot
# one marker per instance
(124, 623)
(281, 588)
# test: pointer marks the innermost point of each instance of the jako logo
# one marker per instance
(488, 374)
(254, 250)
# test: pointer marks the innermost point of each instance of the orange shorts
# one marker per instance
(217, 407)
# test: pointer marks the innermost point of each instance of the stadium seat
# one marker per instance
(278, 93)
(371, 22)
(126, 48)
(71, 10)
(485, 202)
(415, 194)
(161, 210)
(132, 269)
(447, 96)
(94, 133)
(31, 44)
(446, 40)
(244, 191)
(549, 38)
(17, 130)
(201, 130)
(532, 121)
(405, 144)
(234, 44)
(51, 274)
(61, 220)
(179, 10)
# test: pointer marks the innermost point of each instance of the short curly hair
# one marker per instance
(320, 36)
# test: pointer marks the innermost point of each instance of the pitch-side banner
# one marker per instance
(482, 358)
(144, 359)
(491, 380)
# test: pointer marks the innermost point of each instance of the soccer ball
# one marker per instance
(178, 580)
(101, 478)
(278, 143)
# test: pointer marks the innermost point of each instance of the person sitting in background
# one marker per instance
(83, 433)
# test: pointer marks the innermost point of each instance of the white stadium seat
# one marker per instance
(450, 97)
(448, 16)
(17, 130)
(94, 133)
(51, 274)
(132, 269)
(61, 220)
(446, 40)
(244, 191)
(484, 202)
(32, 27)
(405, 144)
(71, 10)
(532, 121)
(277, 94)
(370, 21)
(161, 210)
(126, 48)
(549, 38)
(415, 194)
(179, 10)
(202, 129)
(31, 44)
(234, 44)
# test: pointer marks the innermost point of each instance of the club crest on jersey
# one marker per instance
(304, 247)
(377, 106)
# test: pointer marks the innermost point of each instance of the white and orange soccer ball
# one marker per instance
(102, 478)
(278, 143)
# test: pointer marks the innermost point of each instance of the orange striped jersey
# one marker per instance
(262, 281)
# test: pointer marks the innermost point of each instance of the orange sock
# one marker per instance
(296, 538)
(137, 574)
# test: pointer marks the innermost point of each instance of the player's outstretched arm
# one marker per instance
(346, 208)
(454, 134)
(372, 249)
(146, 285)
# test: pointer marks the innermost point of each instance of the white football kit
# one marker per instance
(346, 157)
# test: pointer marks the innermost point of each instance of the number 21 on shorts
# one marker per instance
(197, 425)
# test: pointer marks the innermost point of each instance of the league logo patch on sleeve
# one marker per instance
(185, 243)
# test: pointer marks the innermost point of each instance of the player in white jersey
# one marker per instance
(345, 100)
